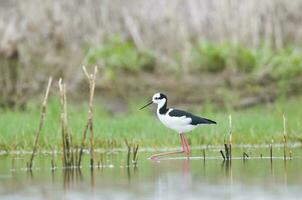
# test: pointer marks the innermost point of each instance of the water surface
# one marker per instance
(167, 179)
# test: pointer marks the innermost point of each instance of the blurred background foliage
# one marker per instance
(118, 56)
(229, 53)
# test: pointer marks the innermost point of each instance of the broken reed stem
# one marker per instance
(222, 154)
(62, 119)
(245, 156)
(228, 145)
(75, 155)
(204, 154)
(41, 123)
(71, 154)
(271, 150)
(89, 124)
(135, 150)
(83, 143)
(99, 164)
(128, 153)
(230, 137)
(284, 137)
(66, 138)
(102, 159)
(52, 160)
(226, 148)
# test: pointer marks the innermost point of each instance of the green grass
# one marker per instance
(250, 126)
(280, 64)
(118, 55)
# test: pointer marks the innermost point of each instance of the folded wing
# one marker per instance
(185, 117)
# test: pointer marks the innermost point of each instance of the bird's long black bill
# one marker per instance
(148, 104)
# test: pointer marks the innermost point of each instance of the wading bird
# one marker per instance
(177, 120)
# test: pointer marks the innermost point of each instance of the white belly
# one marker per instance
(178, 124)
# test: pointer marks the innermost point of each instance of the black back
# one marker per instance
(195, 119)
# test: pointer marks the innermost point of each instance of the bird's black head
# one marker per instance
(158, 98)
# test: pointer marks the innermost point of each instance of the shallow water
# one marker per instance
(166, 179)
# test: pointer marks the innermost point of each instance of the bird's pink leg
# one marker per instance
(183, 147)
(187, 147)
(183, 144)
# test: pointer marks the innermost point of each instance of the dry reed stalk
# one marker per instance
(52, 160)
(99, 164)
(245, 156)
(135, 151)
(284, 137)
(13, 168)
(75, 162)
(133, 30)
(72, 154)
(128, 152)
(227, 153)
(271, 150)
(222, 154)
(102, 159)
(42, 119)
(215, 20)
(89, 124)
(82, 144)
(66, 138)
(230, 137)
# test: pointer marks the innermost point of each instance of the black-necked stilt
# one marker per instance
(177, 120)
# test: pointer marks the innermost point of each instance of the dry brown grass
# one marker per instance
(164, 25)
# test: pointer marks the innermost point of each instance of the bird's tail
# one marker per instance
(206, 121)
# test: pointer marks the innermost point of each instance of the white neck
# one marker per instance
(160, 105)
